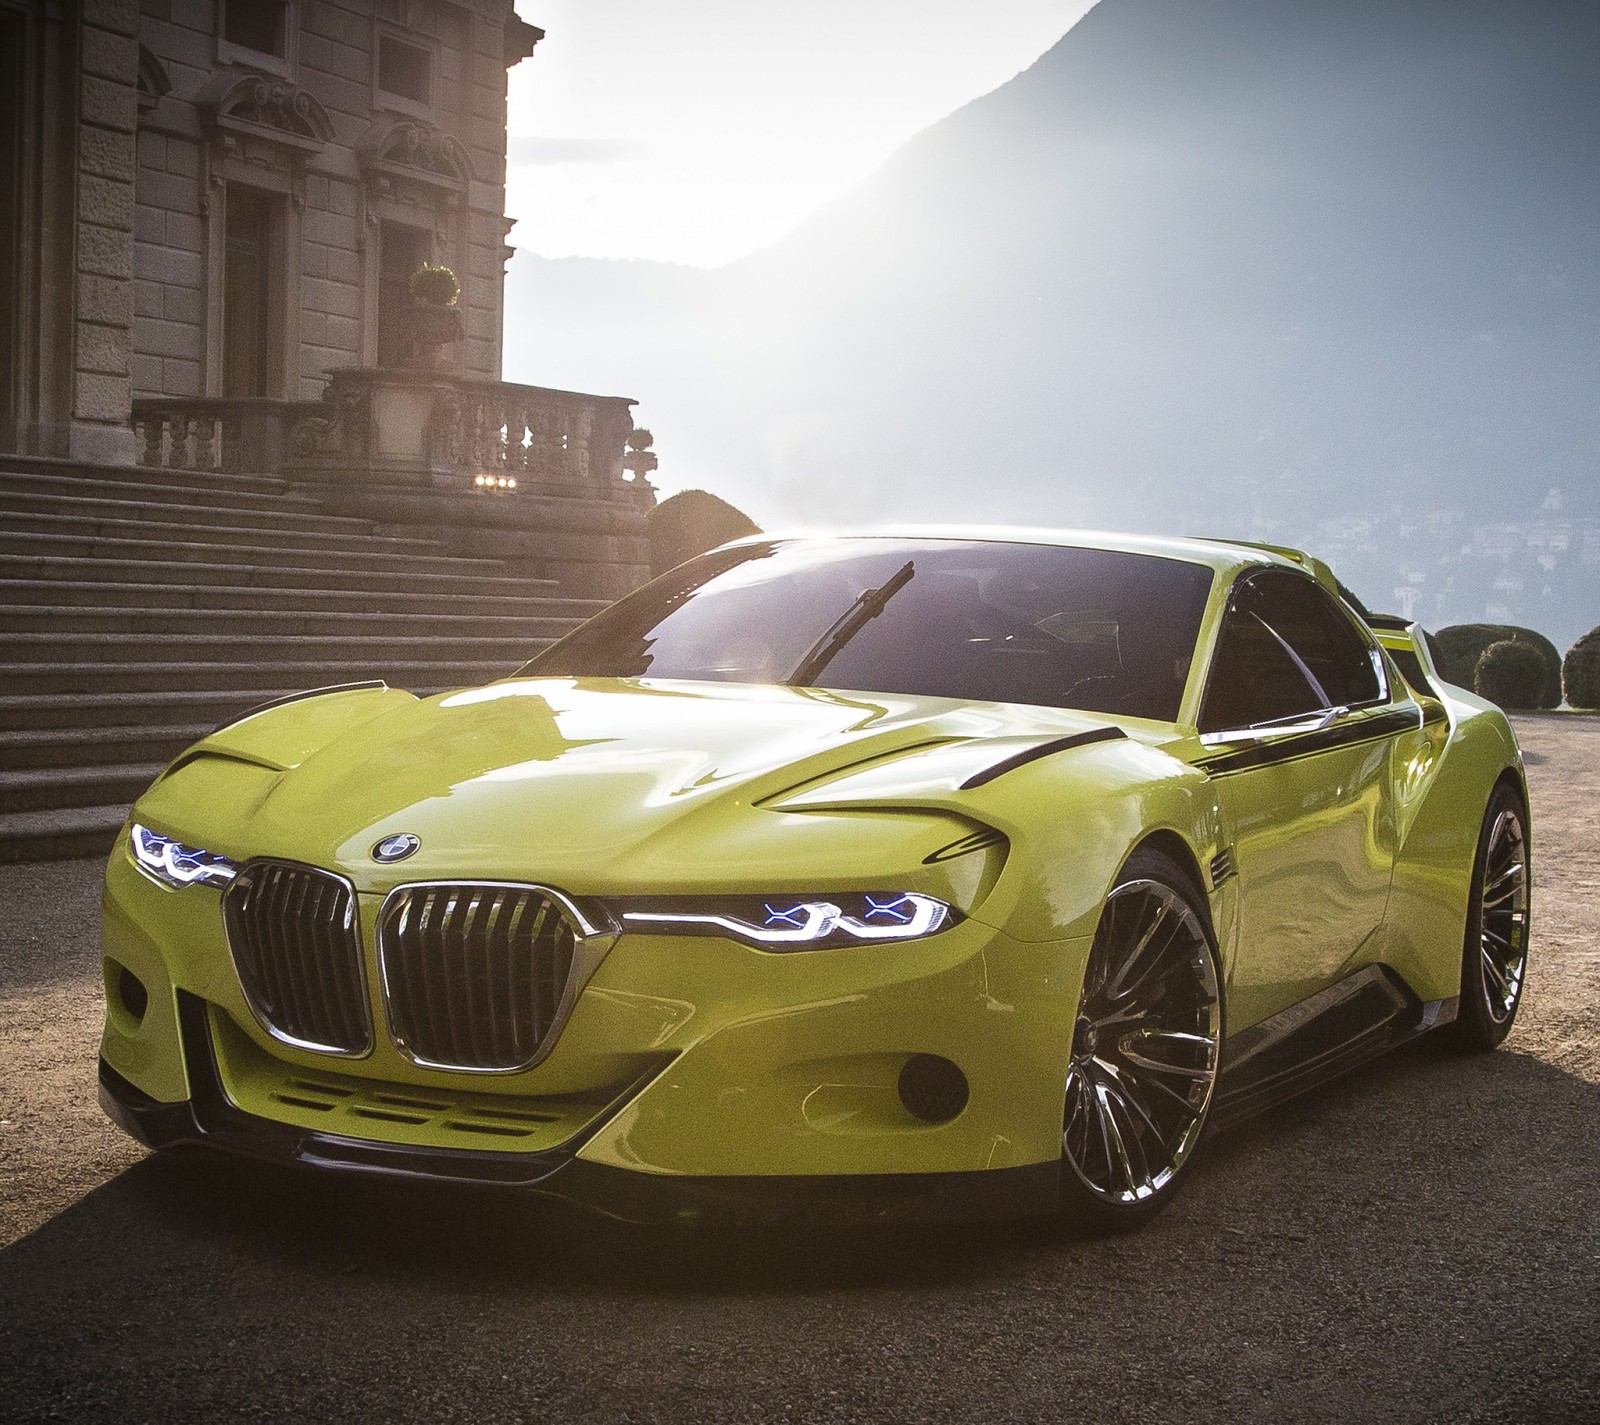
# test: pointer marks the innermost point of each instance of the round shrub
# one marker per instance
(434, 286)
(690, 523)
(1580, 671)
(1457, 649)
(1511, 674)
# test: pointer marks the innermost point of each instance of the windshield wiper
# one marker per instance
(867, 607)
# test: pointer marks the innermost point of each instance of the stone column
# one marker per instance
(105, 169)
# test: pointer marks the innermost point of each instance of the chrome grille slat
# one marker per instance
(475, 976)
(350, 989)
(292, 932)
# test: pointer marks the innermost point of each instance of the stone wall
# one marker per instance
(137, 124)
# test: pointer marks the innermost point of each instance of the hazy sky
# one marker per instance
(697, 130)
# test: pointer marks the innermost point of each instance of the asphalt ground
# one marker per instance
(1417, 1242)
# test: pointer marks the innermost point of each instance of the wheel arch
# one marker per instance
(1171, 844)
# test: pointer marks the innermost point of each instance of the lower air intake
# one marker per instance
(475, 976)
(292, 932)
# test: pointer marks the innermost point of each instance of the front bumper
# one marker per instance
(692, 1076)
(208, 1118)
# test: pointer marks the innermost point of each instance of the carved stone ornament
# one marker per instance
(409, 148)
(342, 431)
(236, 101)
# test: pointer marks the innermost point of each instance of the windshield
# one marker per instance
(1093, 629)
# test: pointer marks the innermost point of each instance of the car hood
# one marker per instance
(584, 775)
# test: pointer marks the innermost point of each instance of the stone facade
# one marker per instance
(223, 198)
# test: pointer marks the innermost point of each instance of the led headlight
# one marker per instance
(179, 865)
(794, 922)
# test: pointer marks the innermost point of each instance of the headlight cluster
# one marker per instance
(793, 922)
(179, 865)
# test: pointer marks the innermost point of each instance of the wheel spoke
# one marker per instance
(1501, 985)
(1162, 1066)
(1126, 1096)
(1115, 1147)
(1120, 990)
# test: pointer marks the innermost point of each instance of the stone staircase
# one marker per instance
(139, 609)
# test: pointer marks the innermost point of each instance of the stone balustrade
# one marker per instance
(552, 480)
(560, 442)
(216, 434)
(410, 427)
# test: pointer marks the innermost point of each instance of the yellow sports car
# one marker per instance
(923, 874)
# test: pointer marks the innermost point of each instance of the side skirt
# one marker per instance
(1332, 1032)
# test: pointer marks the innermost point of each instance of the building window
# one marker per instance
(258, 33)
(402, 250)
(259, 25)
(249, 282)
(405, 71)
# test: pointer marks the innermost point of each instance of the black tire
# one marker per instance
(1145, 1049)
(1494, 954)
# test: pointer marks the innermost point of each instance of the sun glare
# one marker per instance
(697, 132)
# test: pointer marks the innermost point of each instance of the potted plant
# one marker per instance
(436, 320)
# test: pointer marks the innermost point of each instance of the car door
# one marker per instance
(1297, 726)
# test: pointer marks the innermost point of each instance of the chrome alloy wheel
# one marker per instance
(1503, 915)
(1145, 1048)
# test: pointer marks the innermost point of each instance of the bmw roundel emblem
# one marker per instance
(395, 848)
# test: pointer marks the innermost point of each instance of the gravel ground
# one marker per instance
(1418, 1242)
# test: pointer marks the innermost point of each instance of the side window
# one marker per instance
(1287, 649)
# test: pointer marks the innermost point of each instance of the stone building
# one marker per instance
(246, 185)
(211, 207)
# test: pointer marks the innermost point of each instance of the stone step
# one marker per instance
(210, 492)
(138, 476)
(170, 552)
(153, 575)
(55, 788)
(166, 620)
(536, 597)
(179, 676)
(45, 712)
(59, 832)
(73, 525)
(40, 650)
(89, 746)
(18, 504)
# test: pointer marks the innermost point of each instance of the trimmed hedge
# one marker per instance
(1580, 671)
(1511, 674)
(690, 523)
(1457, 649)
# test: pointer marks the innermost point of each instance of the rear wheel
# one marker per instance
(1494, 959)
(1145, 1048)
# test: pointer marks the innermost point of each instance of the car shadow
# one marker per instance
(1395, 1135)
(1399, 1217)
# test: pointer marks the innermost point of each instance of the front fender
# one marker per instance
(1071, 819)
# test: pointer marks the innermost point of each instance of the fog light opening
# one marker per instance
(131, 992)
(932, 1089)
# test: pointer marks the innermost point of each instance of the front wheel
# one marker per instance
(1494, 960)
(1145, 1049)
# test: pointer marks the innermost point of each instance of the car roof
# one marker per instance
(1221, 555)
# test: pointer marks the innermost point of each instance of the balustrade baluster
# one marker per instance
(517, 433)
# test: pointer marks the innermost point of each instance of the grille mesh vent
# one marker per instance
(474, 975)
(292, 932)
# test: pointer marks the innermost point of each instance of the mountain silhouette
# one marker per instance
(1315, 271)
